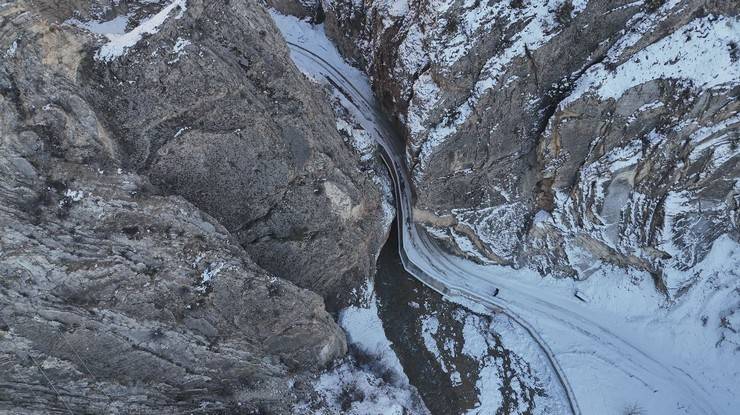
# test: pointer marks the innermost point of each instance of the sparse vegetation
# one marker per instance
(452, 24)
(516, 4)
(350, 393)
(130, 231)
(611, 66)
(371, 363)
(653, 5)
(274, 289)
(564, 13)
(633, 409)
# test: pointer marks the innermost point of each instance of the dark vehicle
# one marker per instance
(582, 296)
(495, 292)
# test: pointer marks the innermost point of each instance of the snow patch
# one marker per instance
(75, 195)
(429, 327)
(682, 55)
(116, 26)
(119, 43)
(179, 49)
(207, 276)
(360, 139)
(313, 37)
(10, 52)
(180, 131)
(346, 389)
(365, 330)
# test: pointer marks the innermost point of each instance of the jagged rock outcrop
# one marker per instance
(210, 107)
(562, 134)
(302, 9)
(118, 300)
(141, 172)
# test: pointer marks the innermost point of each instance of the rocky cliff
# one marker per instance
(179, 205)
(561, 135)
(169, 182)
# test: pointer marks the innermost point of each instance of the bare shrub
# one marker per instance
(351, 393)
(564, 12)
(633, 409)
(653, 5)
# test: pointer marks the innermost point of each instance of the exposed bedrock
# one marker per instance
(561, 134)
(303, 9)
(229, 123)
(175, 202)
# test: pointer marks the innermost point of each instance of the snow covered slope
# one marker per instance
(517, 111)
(639, 198)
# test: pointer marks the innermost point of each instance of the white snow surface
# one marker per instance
(75, 195)
(119, 42)
(429, 327)
(495, 226)
(180, 45)
(478, 337)
(116, 26)
(361, 140)
(10, 52)
(365, 331)
(179, 49)
(520, 345)
(313, 37)
(207, 276)
(626, 346)
(697, 53)
(371, 394)
(477, 17)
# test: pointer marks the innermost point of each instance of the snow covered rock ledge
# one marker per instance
(602, 115)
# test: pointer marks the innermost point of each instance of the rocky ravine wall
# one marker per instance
(137, 184)
(558, 134)
(229, 123)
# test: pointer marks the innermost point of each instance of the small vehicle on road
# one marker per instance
(582, 296)
(495, 292)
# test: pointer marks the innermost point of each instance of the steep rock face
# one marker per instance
(553, 134)
(118, 295)
(302, 9)
(117, 300)
(210, 107)
(656, 186)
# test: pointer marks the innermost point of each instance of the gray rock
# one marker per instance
(230, 124)
(120, 300)
(303, 9)
(126, 283)
(488, 96)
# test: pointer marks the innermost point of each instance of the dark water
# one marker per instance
(403, 306)
(402, 322)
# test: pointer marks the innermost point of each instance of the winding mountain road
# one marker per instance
(593, 341)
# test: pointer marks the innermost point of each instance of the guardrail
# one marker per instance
(437, 284)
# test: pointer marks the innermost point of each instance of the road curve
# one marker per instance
(453, 276)
(392, 155)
